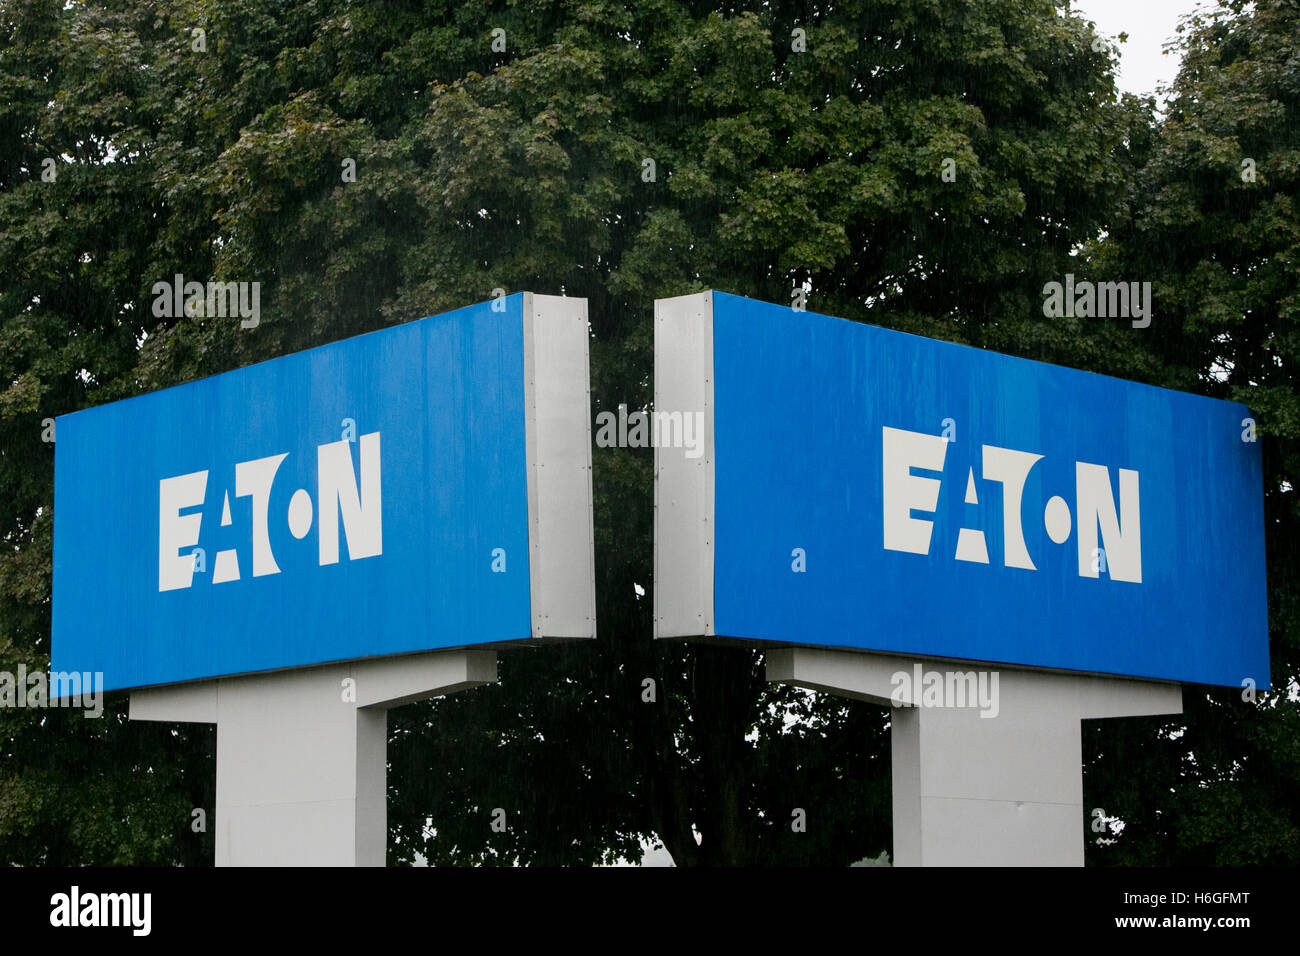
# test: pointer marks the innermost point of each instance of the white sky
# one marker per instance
(1150, 24)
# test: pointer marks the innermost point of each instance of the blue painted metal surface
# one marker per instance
(802, 405)
(444, 395)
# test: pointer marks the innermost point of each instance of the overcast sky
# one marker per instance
(1150, 24)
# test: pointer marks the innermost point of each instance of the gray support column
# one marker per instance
(970, 790)
(302, 754)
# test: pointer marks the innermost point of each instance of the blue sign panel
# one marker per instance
(879, 490)
(368, 497)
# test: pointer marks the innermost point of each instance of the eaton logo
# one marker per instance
(1108, 535)
(340, 498)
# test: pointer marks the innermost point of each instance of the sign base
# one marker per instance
(302, 755)
(1002, 789)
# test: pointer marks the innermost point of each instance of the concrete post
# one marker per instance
(302, 754)
(969, 790)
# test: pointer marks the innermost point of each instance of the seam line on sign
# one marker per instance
(292, 803)
(1045, 803)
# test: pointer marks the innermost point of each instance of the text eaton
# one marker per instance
(338, 497)
(1118, 553)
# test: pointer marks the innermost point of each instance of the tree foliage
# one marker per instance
(1213, 222)
(770, 168)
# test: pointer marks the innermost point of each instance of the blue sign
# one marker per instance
(871, 489)
(365, 498)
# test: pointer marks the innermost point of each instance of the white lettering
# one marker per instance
(904, 492)
(1121, 536)
(1011, 468)
(337, 492)
(177, 531)
(254, 478)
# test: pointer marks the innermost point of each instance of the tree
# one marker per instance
(917, 164)
(75, 230)
(1213, 222)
